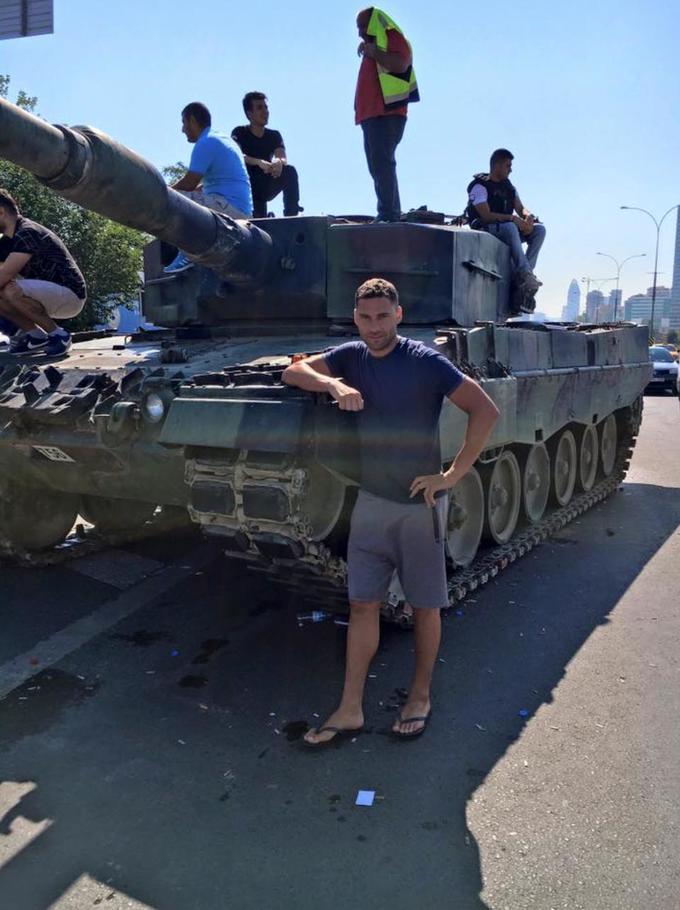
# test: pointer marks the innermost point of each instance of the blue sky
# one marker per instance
(586, 96)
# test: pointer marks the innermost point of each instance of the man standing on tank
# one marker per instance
(216, 167)
(494, 206)
(385, 86)
(265, 157)
(397, 386)
(39, 282)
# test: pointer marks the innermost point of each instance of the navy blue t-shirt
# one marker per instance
(399, 424)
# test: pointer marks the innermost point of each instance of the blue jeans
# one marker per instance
(510, 235)
(382, 135)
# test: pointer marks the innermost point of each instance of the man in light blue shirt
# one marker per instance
(217, 177)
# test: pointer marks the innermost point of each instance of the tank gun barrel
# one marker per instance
(86, 166)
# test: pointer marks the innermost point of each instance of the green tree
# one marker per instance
(672, 336)
(174, 172)
(109, 254)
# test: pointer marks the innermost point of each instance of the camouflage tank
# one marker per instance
(195, 415)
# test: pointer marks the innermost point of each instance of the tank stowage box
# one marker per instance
(194, 416)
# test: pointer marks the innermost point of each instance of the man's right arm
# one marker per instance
(314, 375)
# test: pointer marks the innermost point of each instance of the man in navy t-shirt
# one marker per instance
(397, 386)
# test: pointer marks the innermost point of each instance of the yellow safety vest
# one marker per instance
(396, 89)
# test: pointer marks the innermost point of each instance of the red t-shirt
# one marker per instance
(368, 100)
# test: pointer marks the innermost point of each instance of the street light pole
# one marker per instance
(619, 266)
(657, 224)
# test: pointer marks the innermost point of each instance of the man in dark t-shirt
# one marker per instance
(397, 386)
(39, 282)
(265, 158)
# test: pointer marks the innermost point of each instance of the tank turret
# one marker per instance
(272, 271)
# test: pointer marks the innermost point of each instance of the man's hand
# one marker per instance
(264, 166)
(429, 484)
(525, 225)
(276, 167)
(348, 399)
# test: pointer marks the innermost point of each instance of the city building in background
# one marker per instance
(571, 308)
(594, 305)
(614, 303)
(674, 307)
(638, 308)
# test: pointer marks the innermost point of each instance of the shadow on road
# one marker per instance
(189, 796)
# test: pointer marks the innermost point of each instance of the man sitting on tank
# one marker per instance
(217, 176)
(39, 282)
(494, 206)
(265, 157)
(399, 521)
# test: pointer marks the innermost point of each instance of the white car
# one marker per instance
(665, 369)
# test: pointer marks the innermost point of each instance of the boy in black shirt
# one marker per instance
(265, 157)
(39, 282)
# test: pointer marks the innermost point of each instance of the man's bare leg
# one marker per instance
(30, 310)
(427, 626)
(363, 635)
(19, 318)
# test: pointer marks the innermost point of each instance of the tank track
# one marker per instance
(316, 575)
(84, 541)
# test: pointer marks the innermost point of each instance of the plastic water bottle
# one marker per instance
(314, 616)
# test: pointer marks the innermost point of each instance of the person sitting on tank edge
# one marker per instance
(265, 157)
(216, 167)
(398, 386)
(39, 282)
(494, 206)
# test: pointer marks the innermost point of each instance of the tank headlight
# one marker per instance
(153, 408)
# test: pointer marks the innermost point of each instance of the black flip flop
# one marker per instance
(412, 720)
(341, 735)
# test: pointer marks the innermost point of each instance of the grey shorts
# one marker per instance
(388, 536)
(57, 301)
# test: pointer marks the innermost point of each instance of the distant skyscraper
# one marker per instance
(570, 309)
(615, 304)
(594, 302)
(638, 308)
(674, 308)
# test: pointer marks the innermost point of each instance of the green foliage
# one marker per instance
(673, 336)
(108, 254)
(174, 172)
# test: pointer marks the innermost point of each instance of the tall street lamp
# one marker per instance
(619, 266)
(635, 208)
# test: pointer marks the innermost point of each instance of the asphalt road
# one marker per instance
(153, 699)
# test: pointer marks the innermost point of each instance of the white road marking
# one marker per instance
(53, 649)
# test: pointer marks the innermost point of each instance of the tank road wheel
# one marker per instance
(466, 519)
(35, 519)
(608, 441)
(564, 468)
(504, 498)
(588, 454)
(111, 515)
(535, 482)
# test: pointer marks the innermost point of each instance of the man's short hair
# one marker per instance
(377, 287)
(500, 155)
(248, 99)
(8, 202)
(199, 112)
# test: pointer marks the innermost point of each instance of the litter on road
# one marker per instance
(365, 798)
